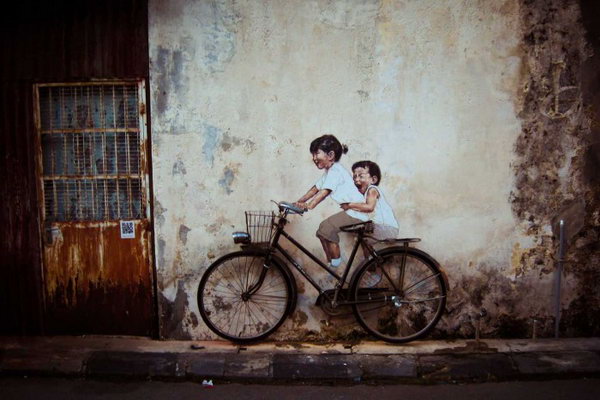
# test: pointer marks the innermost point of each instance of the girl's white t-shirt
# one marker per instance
(383, 213)
(339, 181)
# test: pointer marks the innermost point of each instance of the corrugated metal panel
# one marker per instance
(69, 40)
(49, 41)
(20, 296)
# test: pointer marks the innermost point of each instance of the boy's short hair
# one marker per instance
(373, 169)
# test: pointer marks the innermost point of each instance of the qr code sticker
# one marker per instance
(127, 230)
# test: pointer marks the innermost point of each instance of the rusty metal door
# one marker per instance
(96, 231)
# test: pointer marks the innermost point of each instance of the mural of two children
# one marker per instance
(358, 195)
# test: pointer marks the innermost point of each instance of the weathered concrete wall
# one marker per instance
(454, 100)
(557, 154)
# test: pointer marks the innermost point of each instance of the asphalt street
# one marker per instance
(18, 388)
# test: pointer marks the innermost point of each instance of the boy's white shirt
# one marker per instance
(339, 181)
(383, 213)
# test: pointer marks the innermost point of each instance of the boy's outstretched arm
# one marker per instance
(367, 207)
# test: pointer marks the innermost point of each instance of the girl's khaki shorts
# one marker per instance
(330, 227)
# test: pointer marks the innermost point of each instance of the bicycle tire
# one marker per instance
(399, 312)
(228, 314)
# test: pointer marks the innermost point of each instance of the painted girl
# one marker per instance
(337, 184)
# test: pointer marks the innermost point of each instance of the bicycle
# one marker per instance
(397, 294)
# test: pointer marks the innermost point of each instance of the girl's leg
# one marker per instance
(325, 244)
(331, 249)
(334, 249)
(328, 233)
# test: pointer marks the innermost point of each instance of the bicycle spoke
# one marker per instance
(418, 284)
(225, 317)
(236, 318)
(255, 319)
(224, 279)
(266, 307)
(264, 310)
(390, 280)
(274, 295)
(422, 300)
(234, 273)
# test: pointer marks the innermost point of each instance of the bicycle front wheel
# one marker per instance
(231, 310)
(400, 296)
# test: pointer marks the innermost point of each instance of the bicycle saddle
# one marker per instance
(400, 240)
(366, 226)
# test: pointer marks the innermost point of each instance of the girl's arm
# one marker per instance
(317, 198)
(301, 202)
(369, 206)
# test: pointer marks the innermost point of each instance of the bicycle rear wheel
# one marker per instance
(399, 297)
(230, 311)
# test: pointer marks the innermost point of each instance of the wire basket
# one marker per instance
(260, 226)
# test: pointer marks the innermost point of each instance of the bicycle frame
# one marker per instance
(341, 280)
(397, 293)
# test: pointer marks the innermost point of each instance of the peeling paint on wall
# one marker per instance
(229, 142)
(227, 180)
(218, 35)
(212, 138)
(173, 315)
(159, 212)
(183, 233)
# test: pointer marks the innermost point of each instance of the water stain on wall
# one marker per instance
(169, 76)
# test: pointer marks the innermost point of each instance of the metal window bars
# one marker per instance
(91, 161)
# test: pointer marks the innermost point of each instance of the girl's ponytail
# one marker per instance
(344, 148)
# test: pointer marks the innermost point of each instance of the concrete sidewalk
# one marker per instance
(418, 362)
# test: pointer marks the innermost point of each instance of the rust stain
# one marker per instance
(90, 255)
(517, 255)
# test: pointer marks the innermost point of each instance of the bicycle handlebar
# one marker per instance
(285, 206)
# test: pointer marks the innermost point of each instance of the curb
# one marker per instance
(424, 362)
(286, 368)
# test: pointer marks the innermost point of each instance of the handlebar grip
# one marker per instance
(292, 207)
